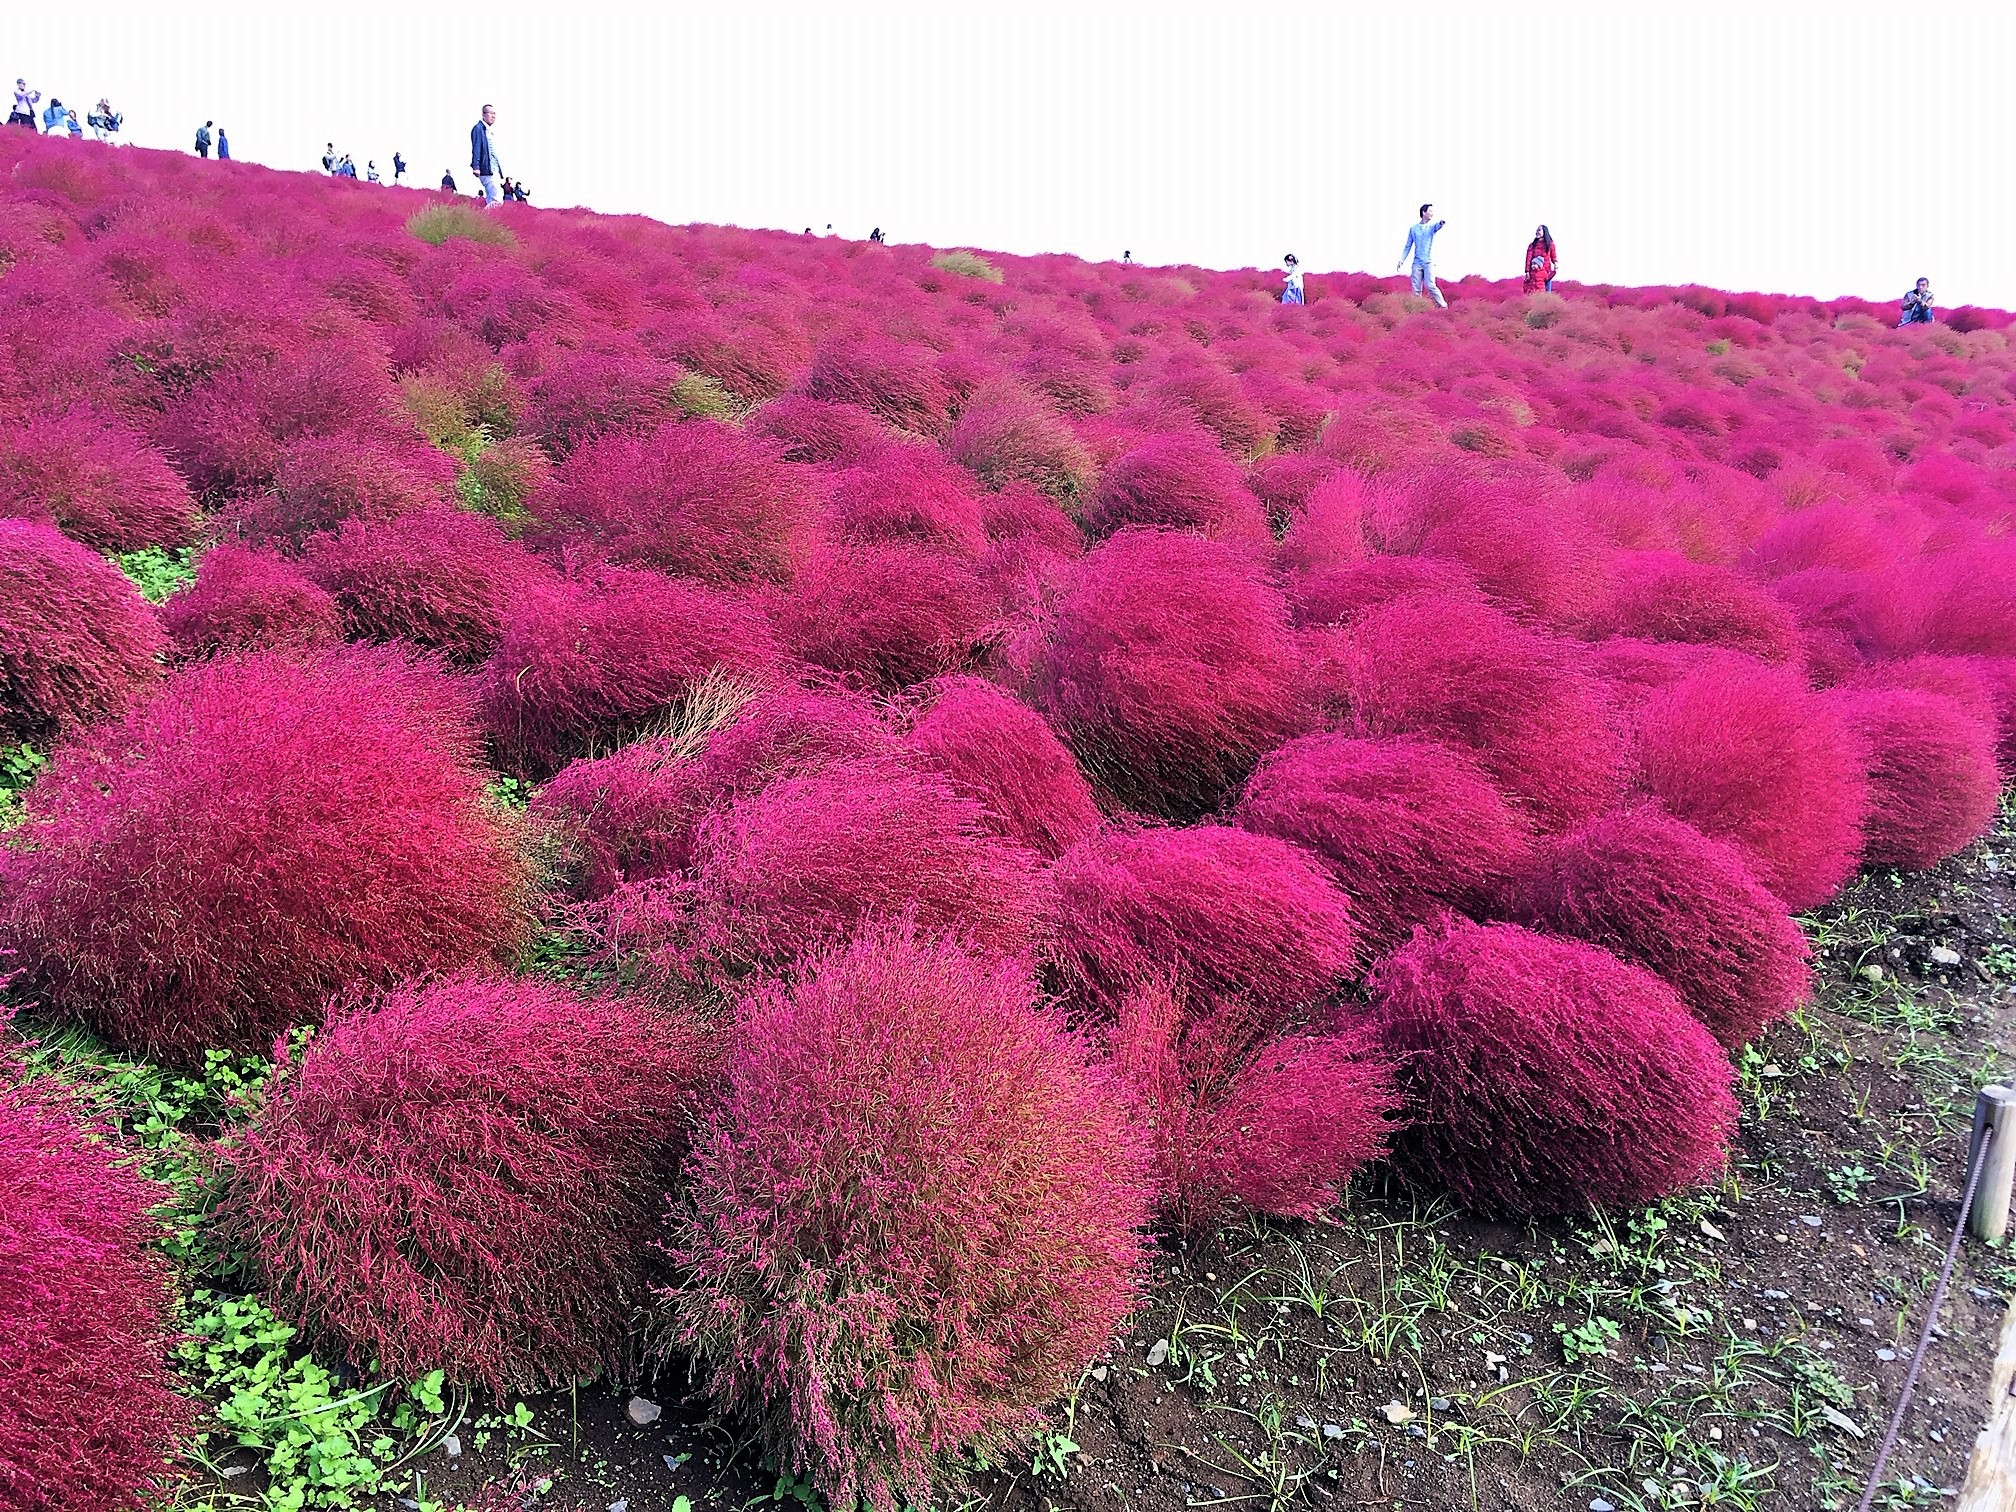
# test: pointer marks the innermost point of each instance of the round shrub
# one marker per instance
(322, 481)
(1546, 1076)
(910, 1219)
(806, 859)
(1454, 669)
(584, 661)
(263, 834)
(900, 492)
(1277, 1123)
(1001, 753)
(888, 614)
(697, 499)
(89, 1414)
(248, 600)
(1169, 669)
(1407, 826)
(1343, 594)
(1933, 784)
(95, 480)
(1661, 596)
(896, 383)
(464, 1177)
(1224, 912)
(1327, 531)
(1005, 435)
(1660, 894)
(811, 430)
(439, 577)
(1746, 755)
(1179, 480)
(77, 642)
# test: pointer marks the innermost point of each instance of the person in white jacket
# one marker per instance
(1291, 280)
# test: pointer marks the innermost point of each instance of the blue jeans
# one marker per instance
(490, 194)
(1291, 296)
(1424, 283)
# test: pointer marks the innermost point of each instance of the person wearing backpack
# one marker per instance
(203, 139)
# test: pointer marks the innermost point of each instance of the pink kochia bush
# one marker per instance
(886, 614)
(1241, 1114)
(1662, 895)
(266, 832)
(89, 1414)
(95, 480)
(910, 1218)
(1451, 668)
(439, 577)
(806, 859)
(463, 1176)
(249, 600)
(582, 662)
(1660, 596)
(1002, 753)
(1933, 784)
(1224, 912)
(1169, 669)
(77, 642)
(1179, 480)
(699, 499)
(1407, 826)
(1747, 755)
(1544, 1075)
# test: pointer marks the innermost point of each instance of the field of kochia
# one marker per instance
(785, 809)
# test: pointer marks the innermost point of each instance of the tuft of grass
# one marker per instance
(703, 398)
(435, 224)
(966, 265)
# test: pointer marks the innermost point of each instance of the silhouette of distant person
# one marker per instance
(329, 158)
(1918, 304)
(1420, 246)
(398, 168)
(223, 146)
(448, 180)
(203, 139)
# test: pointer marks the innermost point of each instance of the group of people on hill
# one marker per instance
(341, 165)
(203, 142)
(58, 119)
(1417, 260)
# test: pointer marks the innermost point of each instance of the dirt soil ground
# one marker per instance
(1740, 1349)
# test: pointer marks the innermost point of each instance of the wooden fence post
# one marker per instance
(1991, 1473)
(1994, 1113)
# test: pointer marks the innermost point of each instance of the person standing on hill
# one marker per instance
(329, 159)
(1541, 262)
(76, 128)
(1291, 292)
(1420, 246)
(203, 139)
(1918, 305)
(104, 120)
(223, 146)
(54, 118)
(483, 160)
(398, 167)
(25, 101)
(371, 171)
(448, 181)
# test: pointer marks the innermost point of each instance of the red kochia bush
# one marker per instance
(89, 1414)
(1407, 826)
(1450, 667)
(440, 577)
(1179, 480)
(910, 1219)
(1546, 1076)
(806, 859)
(901, 492)
(1224, 912)
(1933, 785)
(1006, 435)
(77, 642)
(583, 661)
(1169, 669)
(698, 499)
(464, 1177)
(1745, 754)
(322, 481)
(1660, 894)
(895, 383)
(1327, 531)
(1002, 753)
(1661, 596)
(1277, 1122)
(247, 600)
(888, 614)
(264, 833)
(632, 813)
(811, 430)
(94, 479)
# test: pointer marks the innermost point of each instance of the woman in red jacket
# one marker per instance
(1541, 261)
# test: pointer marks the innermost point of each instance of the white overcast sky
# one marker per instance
(1826, 151)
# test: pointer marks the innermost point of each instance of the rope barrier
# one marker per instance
(1931, 1317)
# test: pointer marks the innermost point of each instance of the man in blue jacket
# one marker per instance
(483, 160)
